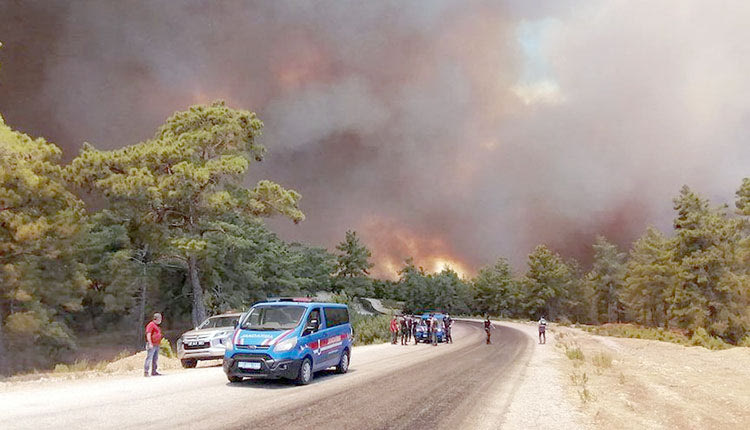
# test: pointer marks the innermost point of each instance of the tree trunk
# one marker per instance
(139, 331)
(199, 308)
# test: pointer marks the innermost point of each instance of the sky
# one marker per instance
(450, 131)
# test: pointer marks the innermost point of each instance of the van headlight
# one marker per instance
(285, 345)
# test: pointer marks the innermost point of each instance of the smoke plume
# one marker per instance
(450, 131)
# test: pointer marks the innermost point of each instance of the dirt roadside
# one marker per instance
(619, 383)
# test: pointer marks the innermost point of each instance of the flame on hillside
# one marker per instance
(393, 244)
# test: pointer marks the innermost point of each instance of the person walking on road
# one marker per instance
(394, 329)
(153, 339)
(448, 322)
(488, 329)
(542, 330)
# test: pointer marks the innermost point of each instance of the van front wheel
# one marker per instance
(343, 365)
(305, 374)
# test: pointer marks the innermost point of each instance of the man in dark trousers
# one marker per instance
(153, 338)
(448, 322)
(542, 330)
(488, 329)
(404, 327)
(414, 325)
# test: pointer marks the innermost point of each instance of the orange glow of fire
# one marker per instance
(392, 249)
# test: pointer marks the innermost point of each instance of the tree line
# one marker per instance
(168, 224)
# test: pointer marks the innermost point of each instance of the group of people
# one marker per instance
(406, 327)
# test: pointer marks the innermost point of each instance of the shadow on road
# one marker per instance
(280, 384)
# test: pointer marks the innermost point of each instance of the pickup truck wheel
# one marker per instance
(189, 363)
(234, 379)
(343, 365)
(305, 374)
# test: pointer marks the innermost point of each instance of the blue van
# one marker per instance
(423, 336)
(289, 339)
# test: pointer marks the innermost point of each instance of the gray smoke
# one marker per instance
(445, 130)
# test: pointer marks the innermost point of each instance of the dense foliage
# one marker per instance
(180, 233)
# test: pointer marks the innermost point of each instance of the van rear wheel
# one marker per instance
(343, 365)
(305, 374)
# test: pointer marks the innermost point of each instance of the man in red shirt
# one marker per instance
(394, 329)
(153, 338)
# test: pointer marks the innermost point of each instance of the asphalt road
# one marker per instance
(464, 385)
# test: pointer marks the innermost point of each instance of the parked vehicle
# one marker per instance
(290, 339)
(424, 336)
(207, 341)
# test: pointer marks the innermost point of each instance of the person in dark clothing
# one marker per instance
(448, 322)
(488, 329)
(403, 326)
(415, 324)
(409, 322)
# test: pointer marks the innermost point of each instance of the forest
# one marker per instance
(170, 225)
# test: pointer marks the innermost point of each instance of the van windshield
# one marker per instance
(273, 318)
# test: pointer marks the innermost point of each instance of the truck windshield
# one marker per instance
(217, 322)
(273, 317)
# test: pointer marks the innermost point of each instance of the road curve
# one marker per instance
(464, 385)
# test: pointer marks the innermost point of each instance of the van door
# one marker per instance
(336, 332)
(312, 335)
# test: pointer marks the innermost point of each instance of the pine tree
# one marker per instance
(651, 280)
(187, 176)
(39, 227)
(495, 290)
(353, 265)
(713, 293)
(606, 279)
(545, 284)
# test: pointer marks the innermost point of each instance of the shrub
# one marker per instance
(370, 329)
(602, 359)
(745, 341)
(574, 353)
(702, 338)
(165, 349)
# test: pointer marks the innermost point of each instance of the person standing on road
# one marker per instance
(414, 325)
(542, 330)
(488, 329)
(404, 329)
(153, 339)
(434, 326)
(448, 322)
(394, 329)
(408, 328)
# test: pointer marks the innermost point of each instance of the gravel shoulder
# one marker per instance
(636, 384)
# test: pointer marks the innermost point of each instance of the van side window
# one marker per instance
(336, 316)
(314, 315)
